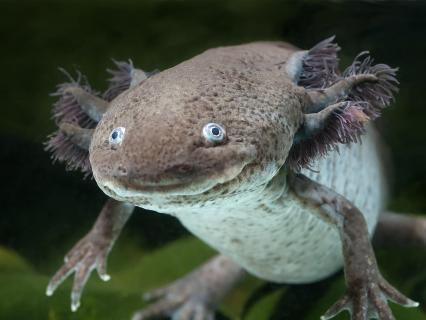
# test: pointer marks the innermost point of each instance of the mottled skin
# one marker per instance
(242, 196)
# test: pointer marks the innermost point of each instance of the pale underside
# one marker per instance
(274, 236)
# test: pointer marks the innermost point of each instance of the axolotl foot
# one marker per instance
(178, 304)
(83, 258)
(196, 295)
(367, 291)
(91, 252)
(368, 300)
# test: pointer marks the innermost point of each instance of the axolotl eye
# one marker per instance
(117, 135)
(214, 132)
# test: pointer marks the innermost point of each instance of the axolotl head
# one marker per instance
(221, 123)
(220, 118)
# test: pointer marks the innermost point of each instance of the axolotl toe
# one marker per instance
(256, 149)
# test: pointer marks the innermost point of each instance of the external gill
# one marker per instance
(125, 77)
(78, 136)
(338, 113)
(78, 110)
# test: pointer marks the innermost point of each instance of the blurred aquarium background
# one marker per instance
(45, 210)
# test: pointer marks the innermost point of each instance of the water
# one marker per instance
(46, 209)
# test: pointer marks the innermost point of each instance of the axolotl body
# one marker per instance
(256, 150)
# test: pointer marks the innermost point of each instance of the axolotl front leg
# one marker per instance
(92, 250)
(194, 296)
(367, 291)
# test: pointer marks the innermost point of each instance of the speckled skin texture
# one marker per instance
(245, 92)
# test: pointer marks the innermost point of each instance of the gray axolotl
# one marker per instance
(256, 149)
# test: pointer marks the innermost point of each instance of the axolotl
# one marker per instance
(256, 149)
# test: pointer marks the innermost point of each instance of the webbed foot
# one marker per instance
(91, 252)
(368, 300)
(82, 259)
(181, 300)
(195, 296)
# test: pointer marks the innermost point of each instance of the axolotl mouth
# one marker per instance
(219, 166)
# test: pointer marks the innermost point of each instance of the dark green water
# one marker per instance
(45, 209)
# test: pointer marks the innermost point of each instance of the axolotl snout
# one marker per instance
(239, 143)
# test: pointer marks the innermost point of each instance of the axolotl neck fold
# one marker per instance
(151, 145)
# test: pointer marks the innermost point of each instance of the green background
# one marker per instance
(46, 209)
